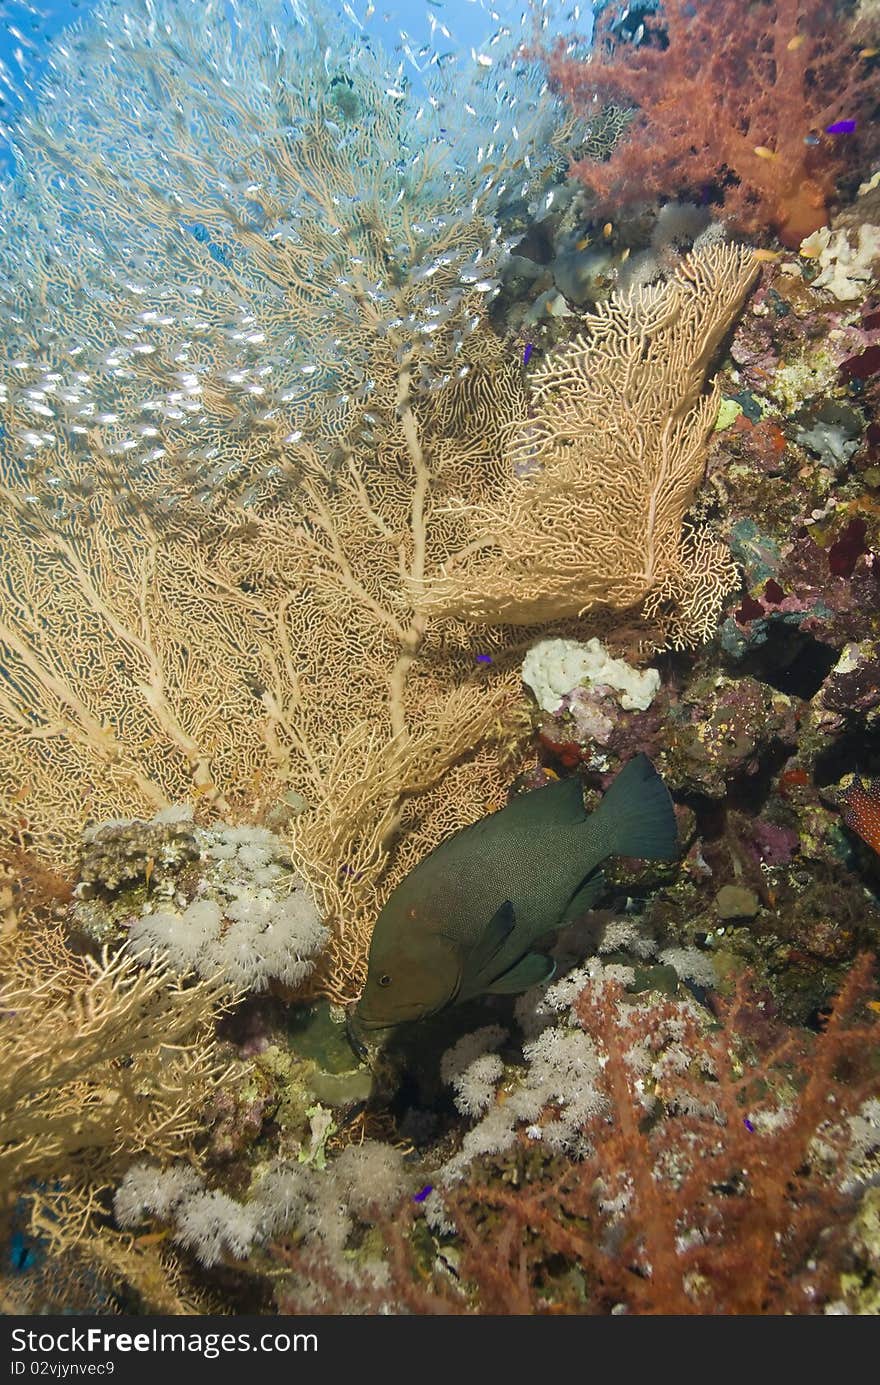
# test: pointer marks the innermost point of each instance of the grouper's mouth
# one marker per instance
(364, 1035)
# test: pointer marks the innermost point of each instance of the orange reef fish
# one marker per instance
(861, 810)
(467, 918)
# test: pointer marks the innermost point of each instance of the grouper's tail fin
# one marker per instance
(637, 814)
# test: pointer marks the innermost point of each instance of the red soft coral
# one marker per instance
(735, 101)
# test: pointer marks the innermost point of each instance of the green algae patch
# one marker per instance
(728, 413)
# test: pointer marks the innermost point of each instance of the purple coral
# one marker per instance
(775, 845)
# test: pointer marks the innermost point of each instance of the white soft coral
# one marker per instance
(253, 920)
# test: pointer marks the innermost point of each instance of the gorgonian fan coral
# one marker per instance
(731, 98)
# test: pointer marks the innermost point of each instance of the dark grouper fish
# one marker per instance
(467, 918)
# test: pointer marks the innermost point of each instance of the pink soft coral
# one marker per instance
(738, 100)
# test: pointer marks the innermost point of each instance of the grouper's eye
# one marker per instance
(385, 979)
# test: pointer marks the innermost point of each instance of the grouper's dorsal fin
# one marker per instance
(555, 805)
(492, 940)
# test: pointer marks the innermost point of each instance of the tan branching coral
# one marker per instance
(384, 703)
(590, 515)
(89, 1259)
(107, 701)
(147, 666)
(100, 1061)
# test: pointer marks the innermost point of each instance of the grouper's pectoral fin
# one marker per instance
(583, 899)
(530, 970)
(493, 938)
